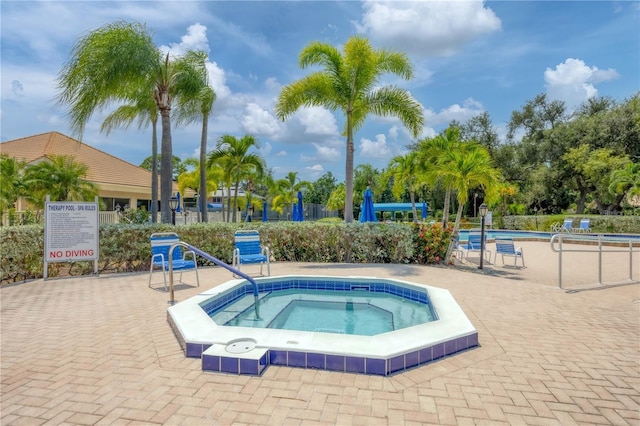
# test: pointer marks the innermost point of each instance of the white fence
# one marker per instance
(31, 217)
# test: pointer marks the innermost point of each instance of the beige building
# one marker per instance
(120, 184)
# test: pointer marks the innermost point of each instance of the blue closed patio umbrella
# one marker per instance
(424, 210)
(178, 208)
(298, 215)
(264, 212)
(368, 213)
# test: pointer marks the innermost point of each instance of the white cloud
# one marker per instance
(282, 153)
(194, 39)
(218, 81)
(469, 109)
(427, 27)
(326, 153)
(315, 168)
(272, 83)
(573, 81)
(317, 121)
(375, 149)
(265, 149)
(258, 121)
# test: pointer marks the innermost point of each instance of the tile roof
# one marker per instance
(103, 168)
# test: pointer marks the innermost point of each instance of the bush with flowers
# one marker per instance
(431, 242)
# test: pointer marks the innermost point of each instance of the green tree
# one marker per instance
(465, 167)
(189, 111)
(12, 178)
(287, 191)
(481, 129)
(176, 162)
(191, 179)
(321, 189)
(350, 82)
(143, 108)
(626, 181)
(406, 177)
(60, 177)
(591, 172)
(337, 198)
(233, 155)
(113, 64)
(432, 151)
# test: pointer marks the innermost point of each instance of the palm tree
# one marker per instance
(191, 179)
(429, 152)
(143, 108)
(404, 169)
(625, 181)
(113, 64)
(189, 111)
(464, 168)
(287, 191)
(349, 82)
(12, 178)
(233, 155)
(62, 178)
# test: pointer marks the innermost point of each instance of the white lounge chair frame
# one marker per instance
(566, 226)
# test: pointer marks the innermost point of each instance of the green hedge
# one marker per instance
(126, 248)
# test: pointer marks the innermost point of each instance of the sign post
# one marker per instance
(70, 232)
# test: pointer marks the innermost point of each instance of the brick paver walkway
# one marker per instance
(99, 351)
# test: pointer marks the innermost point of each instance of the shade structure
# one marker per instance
(424, 210)
(368, 214)
(298, 215)
(264, 212)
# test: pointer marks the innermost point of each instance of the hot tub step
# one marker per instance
(218, 358)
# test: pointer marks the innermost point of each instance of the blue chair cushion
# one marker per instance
(178, 264)
(252, 258)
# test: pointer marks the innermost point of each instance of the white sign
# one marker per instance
(70, 231)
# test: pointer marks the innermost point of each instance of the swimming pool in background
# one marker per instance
(376, 326)
(546, 236)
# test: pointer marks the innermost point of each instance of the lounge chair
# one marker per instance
(161, 243)
(566, 226)
(248, 250)
(505, 247)
(584, 226)
(473, 245)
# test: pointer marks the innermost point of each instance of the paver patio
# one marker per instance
(98, 350)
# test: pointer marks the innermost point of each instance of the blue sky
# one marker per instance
(469, 57)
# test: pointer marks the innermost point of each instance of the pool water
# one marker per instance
(356, 313)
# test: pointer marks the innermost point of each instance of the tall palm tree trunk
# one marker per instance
(412, 196)
(445, 209)
(454, 234)
(154, 171)
(166, 167)
(348, 198)
(235, 202)
(203, 168)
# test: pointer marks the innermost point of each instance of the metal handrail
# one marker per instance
(591, 238)
(218, 262)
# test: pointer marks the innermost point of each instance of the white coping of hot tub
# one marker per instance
(197, 327)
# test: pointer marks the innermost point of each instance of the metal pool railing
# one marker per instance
(617, 245)
(218, 262)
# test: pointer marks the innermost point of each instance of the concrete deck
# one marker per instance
(98, 350)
